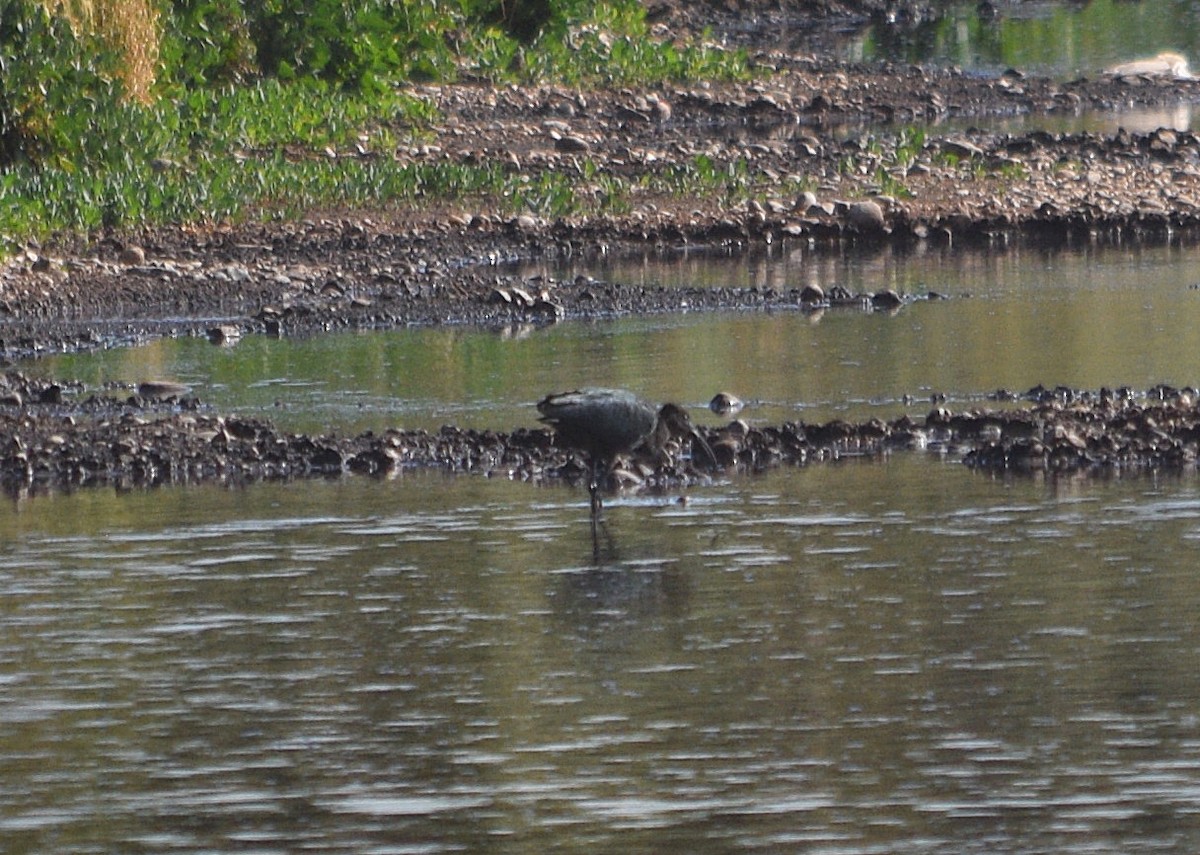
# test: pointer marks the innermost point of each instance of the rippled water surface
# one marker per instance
(883, 657)
(893, 657)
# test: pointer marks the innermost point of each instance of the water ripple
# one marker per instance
(883, 668)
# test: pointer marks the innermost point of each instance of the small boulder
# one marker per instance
(724, 403)
(866, 216)
(812, 293)
(131, 256)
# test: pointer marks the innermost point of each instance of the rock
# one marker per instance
(548, 309)
(224, 334)
(1166, 64)
(886, 299)
(724, 403)
(806, 202)
(659, 109)
(521, 296)
(572, 144)
(866, 216)
(131, 256)
(812, 293)
(159, 390)
(961, 148)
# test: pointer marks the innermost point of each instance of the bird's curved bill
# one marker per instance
(698, 442)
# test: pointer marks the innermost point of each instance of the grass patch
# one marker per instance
(614, 46)
(251, 97)
(222, 154)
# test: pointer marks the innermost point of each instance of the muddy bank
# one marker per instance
(826, 159)
(62, 436)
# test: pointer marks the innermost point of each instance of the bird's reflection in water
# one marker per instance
(611, 602)
(604, 548)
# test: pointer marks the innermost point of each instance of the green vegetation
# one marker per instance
(729, 183)
(116, 112)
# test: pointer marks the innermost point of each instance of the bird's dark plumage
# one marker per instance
(603, 423)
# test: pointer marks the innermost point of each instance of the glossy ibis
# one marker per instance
(603, 423)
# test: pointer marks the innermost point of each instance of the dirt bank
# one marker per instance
(808, 125)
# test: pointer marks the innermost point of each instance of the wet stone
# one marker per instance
(866, 216)
(886, 299)
(161, 389)
(572, 144)
(723, 403)
(812, 293)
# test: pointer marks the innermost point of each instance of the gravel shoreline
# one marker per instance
(62, 436)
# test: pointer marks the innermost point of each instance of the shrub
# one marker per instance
(52, 80)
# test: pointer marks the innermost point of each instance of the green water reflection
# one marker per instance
(1062, 39)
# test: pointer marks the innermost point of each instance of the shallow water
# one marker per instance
(1061, 39)
(889, 657)
(870, 657)
(1015, 319)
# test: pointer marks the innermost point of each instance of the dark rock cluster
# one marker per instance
(57, 435)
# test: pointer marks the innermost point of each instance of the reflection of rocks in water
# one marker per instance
(1172, 117)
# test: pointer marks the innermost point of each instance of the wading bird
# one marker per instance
(603, 423)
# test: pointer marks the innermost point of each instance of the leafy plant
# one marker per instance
(613, 45)
(909, 146)
(890, 185)
(50, 84)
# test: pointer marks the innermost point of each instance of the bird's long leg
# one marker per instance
(595, 533)
(594, 492)
(594, 487)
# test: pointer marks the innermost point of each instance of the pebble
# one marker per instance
(100, 439)
(806, 202)
(724, 403)
(572, 144)
(161, 389)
